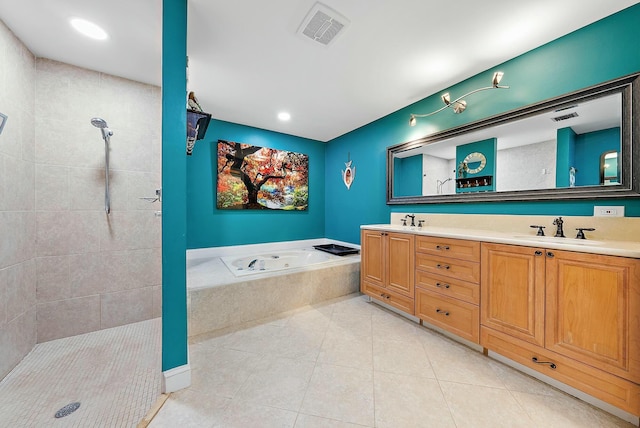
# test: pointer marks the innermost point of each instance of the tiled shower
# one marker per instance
(66, 267)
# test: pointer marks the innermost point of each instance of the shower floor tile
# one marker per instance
(115, 374)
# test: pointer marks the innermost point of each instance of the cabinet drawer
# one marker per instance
(453, 315)
(455, 248)
(467, 291)
(605, 386)
(403, 303)
(452, 268)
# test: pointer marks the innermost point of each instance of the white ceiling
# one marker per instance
(247, 63)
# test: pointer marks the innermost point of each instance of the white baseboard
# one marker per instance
(176, 379)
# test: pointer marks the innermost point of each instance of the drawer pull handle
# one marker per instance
(387, 297)
(442, 247)
(440, 311)
(551, 365)
(538, 253)
(550, 254)
(440, 285)
(439, 266)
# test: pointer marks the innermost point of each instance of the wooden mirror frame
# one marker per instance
(628, 86)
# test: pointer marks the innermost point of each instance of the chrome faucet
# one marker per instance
(558, 223)
(413, 219)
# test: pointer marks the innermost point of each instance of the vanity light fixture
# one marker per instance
(459, 105)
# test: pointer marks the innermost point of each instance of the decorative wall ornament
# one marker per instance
(252, 177)
(349, 173)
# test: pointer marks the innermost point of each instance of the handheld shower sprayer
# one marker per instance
(106, 134)
(102, 125)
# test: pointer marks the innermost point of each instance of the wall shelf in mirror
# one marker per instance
(544, 151)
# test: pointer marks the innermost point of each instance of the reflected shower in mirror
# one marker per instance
(575, 146)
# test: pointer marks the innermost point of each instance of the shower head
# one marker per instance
(102, 124)
(98, 122)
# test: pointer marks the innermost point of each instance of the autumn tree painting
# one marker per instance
(252, 177)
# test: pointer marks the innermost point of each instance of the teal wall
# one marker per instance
(565, 155)
(174, 184)
(407, 180)
(589, 147)
(210, 227)
(602, 51)
(489, 149)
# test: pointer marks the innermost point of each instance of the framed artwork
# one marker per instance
(253, 177)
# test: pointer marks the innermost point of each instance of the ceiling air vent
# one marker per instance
(564, 117)
(322, 24)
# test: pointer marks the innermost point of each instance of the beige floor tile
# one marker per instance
(343, 349)
(225, 372)
(341, 393)
(409, 401)
(388, 326)
(189, 408)
(564, 411)
(479, 407)
(352, 325)
(307, 421)
(301, 344)
(356, 305)
(522, 382)
(399, 375)
(454, 362)
(243, 415)
(311, 318)
(281, 384)
(407, 359)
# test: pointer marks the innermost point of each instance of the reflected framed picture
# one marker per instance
(3, 120)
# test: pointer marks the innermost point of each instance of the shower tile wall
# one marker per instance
(17, 202)
(94, 270)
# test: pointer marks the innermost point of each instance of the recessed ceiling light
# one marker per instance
(284, 116)
(89, 29)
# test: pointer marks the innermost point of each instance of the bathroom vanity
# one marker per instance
(567, 309)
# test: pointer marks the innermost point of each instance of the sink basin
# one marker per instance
(553, 239)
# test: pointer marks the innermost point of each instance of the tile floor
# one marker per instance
(350, 363)
(115, 374)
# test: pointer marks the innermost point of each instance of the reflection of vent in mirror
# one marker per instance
(322, 24)
(566, 108)
(564, 117)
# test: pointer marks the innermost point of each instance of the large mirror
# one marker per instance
(577, 146)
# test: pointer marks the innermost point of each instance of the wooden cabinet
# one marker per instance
(447, 285)
(593, 305)
(387, 268)
(572, 316)
(513, 290)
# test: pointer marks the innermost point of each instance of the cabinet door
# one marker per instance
(512, 291)
(400, 248)
(593, 309)
(373, 259)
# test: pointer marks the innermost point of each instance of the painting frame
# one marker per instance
(260, 178)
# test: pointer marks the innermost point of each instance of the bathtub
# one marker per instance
(276, 261)
(230, 286)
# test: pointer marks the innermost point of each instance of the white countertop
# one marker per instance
(527, 238)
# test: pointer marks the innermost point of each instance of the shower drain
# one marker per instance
(67, 410)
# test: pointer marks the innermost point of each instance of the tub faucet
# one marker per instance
(413, 219)
(558, 223)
